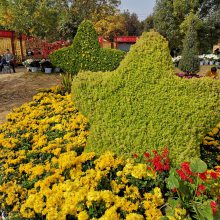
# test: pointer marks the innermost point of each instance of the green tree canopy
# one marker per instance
(132, 23)
(169, 16)
(52, 19)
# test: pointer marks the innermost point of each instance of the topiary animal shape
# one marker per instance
(143, 105)
(85, 53)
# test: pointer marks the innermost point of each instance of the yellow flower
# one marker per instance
(83, 215)
(134, 216)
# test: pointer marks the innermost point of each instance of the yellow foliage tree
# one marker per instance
(111, 26)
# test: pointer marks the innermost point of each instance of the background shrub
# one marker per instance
(85, 53)
(190, 60)
(143, 105)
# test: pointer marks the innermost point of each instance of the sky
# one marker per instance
(142, 8)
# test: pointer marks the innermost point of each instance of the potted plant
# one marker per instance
(176, 60)
(201, 60)
(27, 63)
(35, 65)
(46, 66)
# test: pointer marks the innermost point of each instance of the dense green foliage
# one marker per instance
(143, 105)
(190, 61)
(166, 23)
(169, 15)
(52, 19)
(133, 26)
(85, 53)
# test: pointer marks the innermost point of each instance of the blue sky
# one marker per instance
(141, 7)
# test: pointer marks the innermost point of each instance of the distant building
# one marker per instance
(122, 43)
(125, 42)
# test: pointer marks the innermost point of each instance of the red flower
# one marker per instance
(149, 168)
(186, 168)
(174, 190)
(147, 155)
(135, 155)
(165, 152)
(213, 205)
(201, 188)
(190, 180)
(198, 193)
(218, 169)
(155, 152)
(182, 174)
(157, 163)
(214, 175)
(203, 176)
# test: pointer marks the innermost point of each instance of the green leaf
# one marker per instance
(203, 211)
(164, 218)
(172, 181)
(217, 214)
(198, 166)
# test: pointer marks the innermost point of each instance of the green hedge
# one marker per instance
(85, 53)
(143, 105)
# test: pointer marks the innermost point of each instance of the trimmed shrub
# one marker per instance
(85, 53)
(190, 60)
(144, 105)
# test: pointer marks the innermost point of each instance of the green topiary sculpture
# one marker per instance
(85, 53)
(143, 105)
(190, 60)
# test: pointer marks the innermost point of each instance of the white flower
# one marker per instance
(176, 59)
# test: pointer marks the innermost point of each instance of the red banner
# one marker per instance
(126, 39)
(6, 33)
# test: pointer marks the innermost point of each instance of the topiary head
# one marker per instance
(149, 55)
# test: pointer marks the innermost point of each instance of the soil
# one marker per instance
(20, 87)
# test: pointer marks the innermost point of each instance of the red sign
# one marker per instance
(6, 33)
(126, 39)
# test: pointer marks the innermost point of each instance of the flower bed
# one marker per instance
(46, 175)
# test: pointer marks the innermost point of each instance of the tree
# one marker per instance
(132, 23)
(171, 15)
(190, 61)
(52, 19)
(166, 23)
(111, 26)
(79, 10)
(209, 33)
(148, 23)
(30, 17)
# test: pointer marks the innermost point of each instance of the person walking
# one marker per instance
(2, 62)
(9, 57)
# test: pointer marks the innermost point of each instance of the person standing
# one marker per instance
(9, 57)
(2, 62)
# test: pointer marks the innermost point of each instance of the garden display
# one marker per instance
(85, 53)
(45, 174)
(135, 143)
(143, 104)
